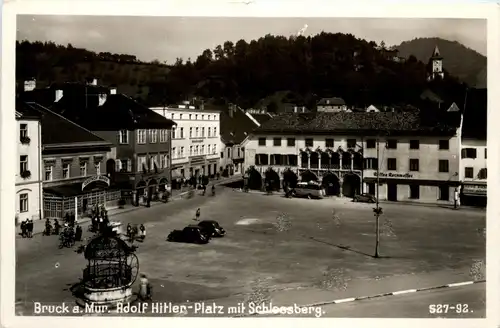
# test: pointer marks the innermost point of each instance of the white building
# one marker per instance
(29, 157)
(196, 143)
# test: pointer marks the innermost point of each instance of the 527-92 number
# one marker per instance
(449, 308)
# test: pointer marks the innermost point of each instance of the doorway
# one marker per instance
(371, 188)
(392, 192)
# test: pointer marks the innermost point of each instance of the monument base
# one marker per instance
(106, 296)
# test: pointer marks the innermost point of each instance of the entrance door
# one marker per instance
(392, 192)
(371, 188)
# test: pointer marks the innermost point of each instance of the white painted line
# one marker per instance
(404, 292)
(461, 284)
(345, 300)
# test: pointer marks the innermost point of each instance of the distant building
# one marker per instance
(29, 201)
(293, 108)
(195, 139)
(436, 62)
(334, 104)
(372, 109)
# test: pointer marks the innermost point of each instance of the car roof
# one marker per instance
(209, 221)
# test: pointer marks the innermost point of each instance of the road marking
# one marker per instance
(404, 292)
(461, 284)
(345, 300)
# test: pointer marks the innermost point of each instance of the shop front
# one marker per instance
(473, 193)
(79, 197)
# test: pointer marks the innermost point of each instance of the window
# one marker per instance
(329, 143)
(65, 170)
(97, 168)
(153, 136)
(214, 149)
(23, 163)
(392, 144)
(443, 165)
(172, 116)
(180, 116)
(262, 141)
(190, 150)
(141, 136)
(209, 132)
(351, 143)
(164, 134)
(414, 191)
(23, 203)
(123, 136)
(276, 141)
(414, 164)
(182, 151)
(371, 163)
(309, 142)
(202, 117)
(197, 132)
(203, 132)
(391, 164)
(469, 172)
(173, 152)
(290, 142)
(485, 153)
(23, 130)
(482, 174)
(469, 153)
(125, 165)
(221, 154)
(196, 149)
(174, 133)
(215, 132)
(196, 117)
(239, 152)
(182, 133)
(190, 132)
(48, 172)
(444, 144)
(414, 144)
(203, 149)
(190, 116)
(141, 163)
(163, 161)
(209, 149)
(371, 143)
(444, 193)
(209, 117)
(83, 169)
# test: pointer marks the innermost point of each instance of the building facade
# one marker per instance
(29, 200)
(195, 140)
(474, 171)
(345, 152)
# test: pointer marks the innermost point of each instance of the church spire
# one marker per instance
(436, 54)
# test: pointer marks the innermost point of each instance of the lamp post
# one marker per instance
(377, 208)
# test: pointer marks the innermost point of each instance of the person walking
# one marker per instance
(198, 213)
(48, 227)
(57, 227)
(144, 288)
(23, 229)
(142, 229)
(30, 228)
(456, 198)
(78, 233)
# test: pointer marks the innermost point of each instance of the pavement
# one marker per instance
(39, 225)
(285, 250)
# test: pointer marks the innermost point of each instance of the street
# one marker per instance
(276, 246)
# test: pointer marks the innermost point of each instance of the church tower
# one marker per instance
(436, 63)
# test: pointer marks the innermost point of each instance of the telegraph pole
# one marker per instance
(377, 208)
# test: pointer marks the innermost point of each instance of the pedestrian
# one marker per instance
(23, 229)
(456, 199)
(57, 227)
(198, 213)
(145, 289)
(78, 232)
(48, 227)
(142, 228)
(30, 228)
(129, 230)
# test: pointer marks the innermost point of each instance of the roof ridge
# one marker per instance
(64, 118)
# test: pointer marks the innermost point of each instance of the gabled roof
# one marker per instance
(453, 108)
(57, 130)
(398, 123)
(335, 101)
(235, 129)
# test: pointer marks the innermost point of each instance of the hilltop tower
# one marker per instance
(436, 63)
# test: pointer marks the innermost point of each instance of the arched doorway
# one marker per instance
(331, 183)
(290, 178)
(351, 185)
(273, 178)
(308, 176)
(254, 179)
(110, 168)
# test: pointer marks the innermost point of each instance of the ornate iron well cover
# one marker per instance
(111, 270)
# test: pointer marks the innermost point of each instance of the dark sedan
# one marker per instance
(365, 198)
(189, 234)
(212, 228)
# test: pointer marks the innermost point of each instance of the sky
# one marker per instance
(168, 38)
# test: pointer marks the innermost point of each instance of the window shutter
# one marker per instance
(129, 165)
(118, 165)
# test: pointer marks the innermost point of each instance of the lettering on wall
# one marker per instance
(394, 175)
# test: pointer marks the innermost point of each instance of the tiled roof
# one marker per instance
(236, 128)
(398, 123)
(331, 101)
(476, 115)
(58, 130)
(117, 112)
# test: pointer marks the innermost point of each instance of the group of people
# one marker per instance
(27, 228)
(132, 232)
(100, 220)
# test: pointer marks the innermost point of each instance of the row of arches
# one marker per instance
(350, 186)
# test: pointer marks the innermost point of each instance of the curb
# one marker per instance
(401, 292)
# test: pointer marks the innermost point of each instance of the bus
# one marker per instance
(309, 189)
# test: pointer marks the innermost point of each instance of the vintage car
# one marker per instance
(212, 228)
(190, 234)
(364, 198)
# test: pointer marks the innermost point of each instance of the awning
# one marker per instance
(70, 190)
(478, 189)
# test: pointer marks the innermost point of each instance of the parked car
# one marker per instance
(190, 234)
(309, 189)
(365, 198)
(212, 228)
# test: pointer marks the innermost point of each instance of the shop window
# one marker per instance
(414, 191)
(444, 193)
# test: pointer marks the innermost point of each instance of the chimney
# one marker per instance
(30, 85)
(112, 91)
(59, 95)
